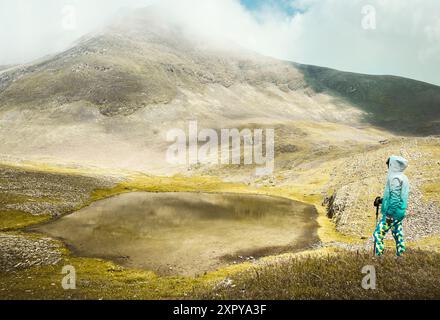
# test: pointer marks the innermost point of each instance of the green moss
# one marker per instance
(14, 220)
(431, 191)
(170, 184)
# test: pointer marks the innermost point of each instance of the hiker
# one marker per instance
(394, 204)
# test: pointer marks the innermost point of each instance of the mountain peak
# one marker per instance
(143, 59)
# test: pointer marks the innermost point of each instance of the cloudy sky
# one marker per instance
(370, 36)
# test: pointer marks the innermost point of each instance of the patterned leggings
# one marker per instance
(397, 231)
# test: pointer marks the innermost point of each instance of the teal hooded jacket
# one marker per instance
(395, 199)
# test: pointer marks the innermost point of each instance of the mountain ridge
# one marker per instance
(111, 98)
(139, 61)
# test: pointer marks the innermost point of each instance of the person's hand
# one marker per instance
(378, 201)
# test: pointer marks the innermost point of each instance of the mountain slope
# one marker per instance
(110, 99)
(399, 104)
(142, 60)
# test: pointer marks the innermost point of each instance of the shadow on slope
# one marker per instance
(400, 105)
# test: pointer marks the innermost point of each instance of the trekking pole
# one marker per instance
(375, 227)
(377, 203)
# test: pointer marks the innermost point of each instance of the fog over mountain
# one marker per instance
(405, 40)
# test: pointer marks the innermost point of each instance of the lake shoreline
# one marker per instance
(235, 221)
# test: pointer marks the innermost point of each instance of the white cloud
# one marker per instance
(329, 33)
(406, 40)
(30, 29)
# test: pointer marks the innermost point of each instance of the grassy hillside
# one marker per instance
(397, 104)
(334, 276)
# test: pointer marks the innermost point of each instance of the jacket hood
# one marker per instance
(397, 164)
